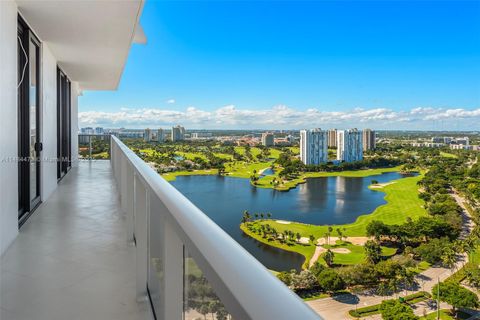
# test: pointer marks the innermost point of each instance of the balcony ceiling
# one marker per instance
(90, 39)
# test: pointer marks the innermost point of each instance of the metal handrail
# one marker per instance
(247, 289)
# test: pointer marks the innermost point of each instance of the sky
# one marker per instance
(289, 65)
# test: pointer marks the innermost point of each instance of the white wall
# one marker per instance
(49, 119)
(8, 124)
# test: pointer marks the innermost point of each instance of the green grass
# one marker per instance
(307, 250)
(473, 261)
(170, 176)
(353, 173)
(356, 255)
(191, 155)
(402, 202)
(448, 155)
(445, 315)
(375, 309)
(420, 267)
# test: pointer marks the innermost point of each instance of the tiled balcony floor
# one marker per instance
(71, 260)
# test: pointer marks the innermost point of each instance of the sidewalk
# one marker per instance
(336, 308)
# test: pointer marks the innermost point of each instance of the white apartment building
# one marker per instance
(147, 135)
(332, 138)
(201, 135)
(160, 135)
(268, 139)
(349, 145)
(369, 139)
(178, 133)
(313, 146)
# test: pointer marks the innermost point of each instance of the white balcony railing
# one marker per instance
(186, 263)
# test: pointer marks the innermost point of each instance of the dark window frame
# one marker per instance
(26, 205)
(64, 147)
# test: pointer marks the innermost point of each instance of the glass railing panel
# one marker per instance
(156, 254)
(200, 300)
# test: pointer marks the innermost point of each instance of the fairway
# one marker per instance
(402, 202)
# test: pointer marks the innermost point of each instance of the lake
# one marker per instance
(326, 200)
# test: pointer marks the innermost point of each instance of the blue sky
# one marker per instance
(239, 64)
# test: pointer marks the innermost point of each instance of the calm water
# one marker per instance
(329, 200)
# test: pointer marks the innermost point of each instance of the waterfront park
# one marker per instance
(419, 226)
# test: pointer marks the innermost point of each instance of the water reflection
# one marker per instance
(329, 200)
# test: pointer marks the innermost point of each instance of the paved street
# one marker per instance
(337, 308)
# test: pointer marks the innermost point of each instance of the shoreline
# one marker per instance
(395, 190)
(264, 181)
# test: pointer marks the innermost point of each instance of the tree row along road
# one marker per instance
(336, 308)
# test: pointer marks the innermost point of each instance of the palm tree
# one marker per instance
(312, 238)
(340, 234)
(449, 257)
(246, 216)
(330, 229)
(269, 215)
(326, 235)
(328, 257)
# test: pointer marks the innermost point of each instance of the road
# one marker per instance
(336, 308)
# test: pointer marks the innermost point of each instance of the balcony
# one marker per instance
(116, 241)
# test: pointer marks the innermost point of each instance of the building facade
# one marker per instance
(332, 138)
(369, 139)
(268, 139)
(178, 133)
(49, 55)
(313, 146)
(201, 135)
(147, 135)
(349, 145)
(160, 135)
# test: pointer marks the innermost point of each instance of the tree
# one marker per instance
(395, 310)
(455, 295)
(373, 251)
(377, 229)
(473, 277)
(340, 234)
(317, 268)
(204, 309)
(312, 238)
(246, 216)
(285, 277)
(449, 257)
(330, 281)
(305, 280)
(328, 257)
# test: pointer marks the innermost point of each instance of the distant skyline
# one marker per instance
(291, 65)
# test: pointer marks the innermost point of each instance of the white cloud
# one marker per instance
(284, 117)
(170, 101)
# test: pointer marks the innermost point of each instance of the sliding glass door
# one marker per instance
(29, 143)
